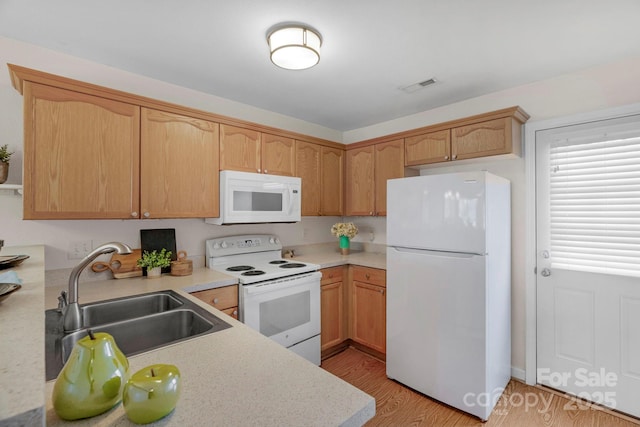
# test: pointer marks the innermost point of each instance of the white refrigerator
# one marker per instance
(449, 287)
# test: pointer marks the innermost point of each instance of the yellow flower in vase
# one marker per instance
(344, 231)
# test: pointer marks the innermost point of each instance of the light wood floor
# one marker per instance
(397, 405)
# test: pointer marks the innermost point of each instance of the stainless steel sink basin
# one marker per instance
(137, 324)
(128, 308)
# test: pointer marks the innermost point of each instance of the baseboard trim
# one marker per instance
(518, 373)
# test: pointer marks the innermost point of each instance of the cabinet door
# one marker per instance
(389, 163)
(308, 169)
(81, 155)
(239, 149)
(360, 185)
(482, 139)
(223, 298)
(332, 182)
(179, 166)
(331, 309)
(278, 155)
(369, 316)
(431, 147)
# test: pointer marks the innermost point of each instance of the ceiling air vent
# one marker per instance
(417, 86)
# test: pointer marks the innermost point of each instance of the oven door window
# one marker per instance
(256, 201)
(285, 313)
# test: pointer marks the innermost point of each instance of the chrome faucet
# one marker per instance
(71, 315)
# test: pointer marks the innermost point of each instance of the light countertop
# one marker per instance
(330, 256)
(232, 377)
(22, 336)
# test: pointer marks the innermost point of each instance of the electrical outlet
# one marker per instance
(79, 249)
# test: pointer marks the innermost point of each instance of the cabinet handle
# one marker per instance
(265, 171)
(134, 214)
(330, 276)
(258, 170)
(382, 291)
(146, 214)
(235, 313)
(371, 213)
(367, 276)
(215, 300)
(446, 157)
(455, 156)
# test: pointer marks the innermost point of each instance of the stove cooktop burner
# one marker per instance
(278, 261)
(253, 273)
(292, 265)
(240, 268)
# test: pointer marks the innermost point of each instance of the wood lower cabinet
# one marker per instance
(81, 155)
(332, 307)
(368, 169)
(179, 166)
(224, 299)
(368, 317)
(321, 170)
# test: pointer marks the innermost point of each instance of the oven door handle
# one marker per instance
(274, 286)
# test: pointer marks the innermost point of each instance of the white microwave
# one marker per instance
(247, 198)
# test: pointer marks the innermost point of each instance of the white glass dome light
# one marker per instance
(294, 48)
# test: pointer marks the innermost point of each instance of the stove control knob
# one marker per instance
(223, 245)
(272, 240)
(216, 246)
(277, 240)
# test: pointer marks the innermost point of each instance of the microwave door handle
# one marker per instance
(290, 200)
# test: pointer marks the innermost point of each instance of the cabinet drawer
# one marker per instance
(220, 298)
(233, 312)
(374, 276)
(332, 275)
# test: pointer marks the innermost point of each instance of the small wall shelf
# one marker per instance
(11, 189)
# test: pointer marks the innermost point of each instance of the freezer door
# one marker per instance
(438, 212)
(436, 326)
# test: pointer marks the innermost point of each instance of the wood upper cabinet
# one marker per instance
(251, 151)
(332, 323)
(81, 155)
(368, 169)
(360, 183)
(278, 155)
(485, 139)
(239, 149)
(179, 166)
(490, 134)
(369, 307)
(332, 181)
(389, 163)
(321, 170)
(432, 147)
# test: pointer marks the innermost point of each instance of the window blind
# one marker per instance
(595, 205)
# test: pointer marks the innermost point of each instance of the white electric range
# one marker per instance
(280, 298)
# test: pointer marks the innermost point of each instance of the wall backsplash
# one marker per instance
(190, 233)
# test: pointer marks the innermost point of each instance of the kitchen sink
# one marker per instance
(128, 308)
(137, 324)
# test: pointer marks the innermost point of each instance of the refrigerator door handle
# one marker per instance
(437, 253)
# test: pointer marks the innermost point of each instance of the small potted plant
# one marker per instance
(154, 261)
(5, 155)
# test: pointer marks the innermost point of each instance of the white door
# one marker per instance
(588, 261)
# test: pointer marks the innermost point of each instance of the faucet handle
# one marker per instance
(62, 300)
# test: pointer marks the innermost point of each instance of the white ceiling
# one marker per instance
(371, 48)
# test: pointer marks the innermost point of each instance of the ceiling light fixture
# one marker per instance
(294, 47)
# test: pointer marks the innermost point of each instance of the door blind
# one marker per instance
(595, 205)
